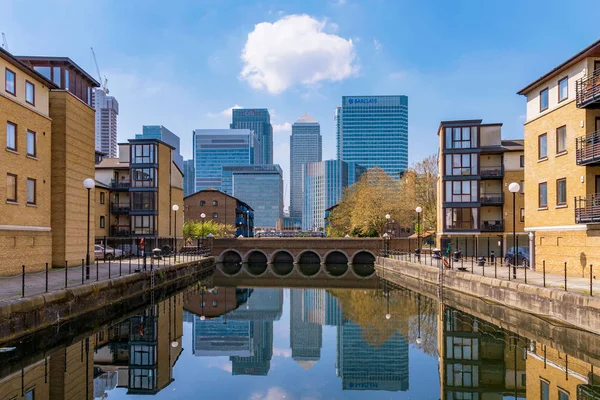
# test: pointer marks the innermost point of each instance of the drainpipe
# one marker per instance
(532, 250)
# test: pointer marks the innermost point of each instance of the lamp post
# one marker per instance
(202, 216)
(386, 235)
(419, 210)
(88, 183)
(419, 340)
(514, 188)
(175, 209)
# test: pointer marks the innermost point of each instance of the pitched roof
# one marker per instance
(111, 163)
(306, 119)
(25, 68)
(221, 192)
(513, 145)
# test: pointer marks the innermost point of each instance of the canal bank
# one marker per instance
(578, 310)
(24, 316)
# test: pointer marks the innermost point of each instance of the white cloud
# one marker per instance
(282, 128)
(287, 353)
(274, 393)
(295, 50)
(227, 113)
(397, 75)
(377, 44)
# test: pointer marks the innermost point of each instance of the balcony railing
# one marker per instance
(120, 185)
(116, 208)
(492, 226)
(587, 149)
(588, 91)
(492, 172)
(121, 230)
(587, 209)
(491, 198)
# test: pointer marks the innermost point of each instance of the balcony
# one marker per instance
(587, 149)
(492, 226)
(116, 208)
(494, 172)
(587, 209)
(121, 185)
(588, 91)
(491, 198)
(120, 230)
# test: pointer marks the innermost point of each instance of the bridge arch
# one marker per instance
(363, 263)
(336, 263)
(231, 260)
(256, 262)
(282, 262)
(309, 263)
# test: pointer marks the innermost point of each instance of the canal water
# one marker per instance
(359, 339)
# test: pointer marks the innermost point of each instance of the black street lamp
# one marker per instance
(514, 188)
(419, 210)
(175, 209)
(88, 183)
(419, 340)
(202, 216)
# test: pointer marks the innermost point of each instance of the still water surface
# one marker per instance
(231, 342)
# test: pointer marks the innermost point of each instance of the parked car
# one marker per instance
(522, 256)
(106, 252)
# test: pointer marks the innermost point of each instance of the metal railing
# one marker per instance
(587, 90)
(587, 149)
(120, 208)
(120, 185)
(492, 226)
(587, 209)
(491, 198)
(120, 230)
(492, 171)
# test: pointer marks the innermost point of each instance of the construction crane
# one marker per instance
(4, 42)
(104, 82)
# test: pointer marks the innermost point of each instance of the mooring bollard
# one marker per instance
(23, 282)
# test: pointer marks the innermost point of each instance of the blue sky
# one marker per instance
(183, 64)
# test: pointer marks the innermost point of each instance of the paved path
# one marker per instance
(552, 280)
(35, 283)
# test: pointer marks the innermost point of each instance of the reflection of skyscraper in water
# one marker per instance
(363, 366)
(305, 337)
(321, 308)
(222, 337)
(260, 362)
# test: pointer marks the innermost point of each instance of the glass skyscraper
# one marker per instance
(306, 338)
(259, 121)
(189, 177)
(305, 147)
(323, 183)
(261, 187)
(164, 135)
(373, 132)
(214, 148)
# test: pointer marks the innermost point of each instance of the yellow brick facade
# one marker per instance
(102, 212)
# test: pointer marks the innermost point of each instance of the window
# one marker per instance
(143, 153)
(461, 137)
(522, 215)
(462, 375)
(31, 143)
(461, 218)
(462, 348)
(522, 187)
(11, 187)
(461, 191)
(143, 224)
(45, 71)
(144, 200)
(102, 221)
(461, 164)
(30, 93)
(67, 79)
(214, 303)
(11, 136)
(143, 177)
(101, 197)
(544, 390)
(561, 192)
(56, 75)
(215, 215)
(561, 139)
(543, 195)
(202, 203)
(30, 395)
(563, 395)
(544, 100)
(89, 96)
(215, 203)
(31, 191)
(542, 146)
(563, 89)
(522, 161)
(10, 82)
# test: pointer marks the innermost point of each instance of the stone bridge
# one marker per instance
(308, 256)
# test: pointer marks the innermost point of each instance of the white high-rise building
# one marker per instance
(107, 109)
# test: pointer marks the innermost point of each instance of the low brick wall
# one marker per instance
(24, 316)
(576, 309)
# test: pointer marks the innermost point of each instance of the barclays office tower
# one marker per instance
(258, 120)
(373, 131)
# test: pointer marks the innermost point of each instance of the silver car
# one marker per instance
(106, 252)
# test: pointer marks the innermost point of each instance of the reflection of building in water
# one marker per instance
(140, 350)
(552, 374)
(259, 362)
(478, 360)
(215, 302)
(262, 304)
(222, 337)
(305, 337)
(363, 366)
(321, 308)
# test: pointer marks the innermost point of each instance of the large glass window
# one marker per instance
(563, 89)
(10, 82)
(461, 218)
(461, 191)
(542, 146)
(11, 136)
(11, 187)
(66, 79)
(461, 137)
(561, 139)
(143, 177)
(30, 92)
(461, 164)
(31, 144)
(56, 76)
(45, 71)
(143, 224)
(462, 348)
(544, 390)
(544, 99)
(143, 153)
(561, 192)
(144, 200)
(462, 375)
(562, 395)
(31, 195)
(543, 195)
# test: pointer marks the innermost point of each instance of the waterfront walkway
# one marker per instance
(11, 287)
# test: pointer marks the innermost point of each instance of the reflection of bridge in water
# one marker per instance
(297, 257)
